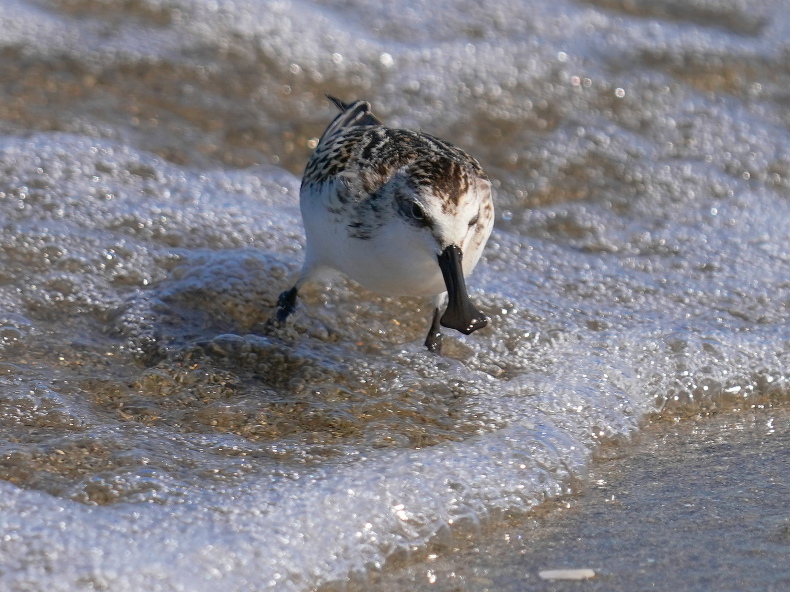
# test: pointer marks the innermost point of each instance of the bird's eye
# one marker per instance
(474, 220)
(413, 211)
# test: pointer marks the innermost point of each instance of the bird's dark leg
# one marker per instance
(286, 305)
(434, 340)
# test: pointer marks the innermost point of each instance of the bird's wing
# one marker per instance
(351, 115)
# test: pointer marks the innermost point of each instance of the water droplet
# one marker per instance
(386, 60)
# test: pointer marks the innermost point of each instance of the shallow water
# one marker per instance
(156, 435)
(699, 504)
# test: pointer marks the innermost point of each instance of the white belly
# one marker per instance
(386, 263)
(393, 271)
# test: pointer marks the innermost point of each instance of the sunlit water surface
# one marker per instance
(157, 436)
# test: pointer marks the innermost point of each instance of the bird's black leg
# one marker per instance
(434, 340)
(286, 305)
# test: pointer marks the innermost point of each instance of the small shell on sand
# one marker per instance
(566, 574)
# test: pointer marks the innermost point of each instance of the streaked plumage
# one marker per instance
(400, 212)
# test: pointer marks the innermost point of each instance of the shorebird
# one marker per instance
(400, 212)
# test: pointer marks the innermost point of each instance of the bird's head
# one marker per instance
(449, 208)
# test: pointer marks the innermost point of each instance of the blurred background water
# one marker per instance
(155, 436)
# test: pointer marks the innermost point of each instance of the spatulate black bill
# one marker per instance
(461, 314)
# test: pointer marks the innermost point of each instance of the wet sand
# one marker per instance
(698, 504)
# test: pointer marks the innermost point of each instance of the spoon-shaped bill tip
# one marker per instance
(461, 314)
